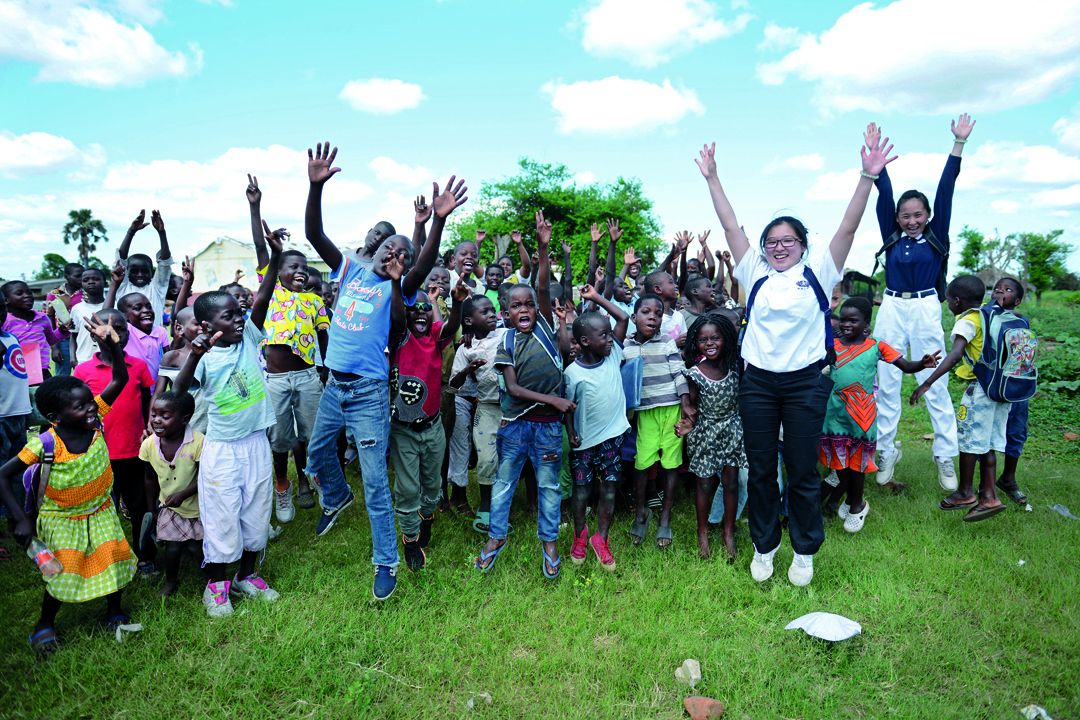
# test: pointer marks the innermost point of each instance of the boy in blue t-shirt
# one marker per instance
(532, 411)
(357, 391)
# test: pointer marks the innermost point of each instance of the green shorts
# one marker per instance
(656, 438)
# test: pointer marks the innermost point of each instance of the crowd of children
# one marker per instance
(186, 413)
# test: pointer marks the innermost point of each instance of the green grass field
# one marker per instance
(954, 626)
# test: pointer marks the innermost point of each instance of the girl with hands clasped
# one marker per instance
(785, 347)
(76, 518)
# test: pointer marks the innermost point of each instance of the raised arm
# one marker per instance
(459, 295)
(682, 242)
(480, 267)
(884, 209)
(187, 273)
(320, 169)
(874, 161)
(733, 232)
(164, 253)
(266, 287)
(543, 272)
(114, 285)
(421, 214)
(199, 347)
(594, 247)
(614, 233)
(567, 280)
(443, 203)
(254, 198)
(107, 336)
(939, 222)
(136, 225)
(622, 320)
(526, 263)
(706, 256)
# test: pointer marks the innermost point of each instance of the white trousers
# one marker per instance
(913, 327)
(236, 493)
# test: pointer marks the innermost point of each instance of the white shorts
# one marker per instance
(236, 494)
(980, 421)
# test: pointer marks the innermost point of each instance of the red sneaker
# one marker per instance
(602, 551)
(579, 550)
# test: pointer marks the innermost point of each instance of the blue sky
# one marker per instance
(122, 105)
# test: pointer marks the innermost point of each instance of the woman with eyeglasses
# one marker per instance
(914, 253)
(786, 344)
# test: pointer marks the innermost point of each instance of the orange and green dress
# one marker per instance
(79, 523)
(849, 437)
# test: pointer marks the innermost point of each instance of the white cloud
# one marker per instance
(1059, 197)
(381, 96)
(37, 152)
(618, 105)
(809, 162)
(932, 57)
(88, 46)
(585, 177)
(1005, 207)
(1068, 132)
(388, 170)
(648, 33)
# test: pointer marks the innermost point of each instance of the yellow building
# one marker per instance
(217, 263)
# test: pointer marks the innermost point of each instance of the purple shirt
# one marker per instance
(39, 330)
(147, 347)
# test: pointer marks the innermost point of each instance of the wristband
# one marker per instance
(958, 140)
(868, 175)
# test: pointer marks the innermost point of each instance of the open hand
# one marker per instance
(422, 209)
(203, 342)
(566, 247)
(706, 161)
(138, 223)
(320, 164)
(102, 330)
(682, 241)
(394, 265)
(480, 236)
(155, 218)
(543, 230)
(254, 194)
(876, 158)
(187, 270)
(595, 233)
(629, 257)
(452, 198)
(931, 360)
(872, 135)
(477, 364)
(118, 272)
(515, 236)
(274, 238)
(614, 231)
(962, 126)
(461, 291)
(704, 240)
(918, 393)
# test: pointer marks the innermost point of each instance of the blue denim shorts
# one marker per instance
(980, 422)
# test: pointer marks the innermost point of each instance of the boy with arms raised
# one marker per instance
(140, 275)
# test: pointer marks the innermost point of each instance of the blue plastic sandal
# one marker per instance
(485, 557)
(555, 563)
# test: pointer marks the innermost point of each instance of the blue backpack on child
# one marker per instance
(36, 477)
(1006, 367)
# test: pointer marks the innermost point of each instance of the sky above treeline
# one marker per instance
(130, 104)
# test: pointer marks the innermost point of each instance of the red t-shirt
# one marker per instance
(125, 424)
(417, 376)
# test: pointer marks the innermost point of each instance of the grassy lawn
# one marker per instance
(953, 624)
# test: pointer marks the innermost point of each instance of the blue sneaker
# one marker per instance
(385, 582)
(327, 519)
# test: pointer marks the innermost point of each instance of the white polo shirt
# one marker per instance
(786, 330)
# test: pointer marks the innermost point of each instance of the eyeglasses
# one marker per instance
(786, 241)
(421, 307)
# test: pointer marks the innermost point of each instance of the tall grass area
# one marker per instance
(959, 620)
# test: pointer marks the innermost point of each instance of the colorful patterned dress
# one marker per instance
(716, 441)
(849, 437)
(79, 523)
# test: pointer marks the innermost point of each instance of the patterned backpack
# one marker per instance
(1006, 368)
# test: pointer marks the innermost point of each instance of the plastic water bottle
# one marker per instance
(43, 557)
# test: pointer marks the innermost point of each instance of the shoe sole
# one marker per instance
(799, 584)
(337, 515)
(771, 571)
(384, 597)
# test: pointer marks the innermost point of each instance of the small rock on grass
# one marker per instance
(1070, 436)
(689, 673)
(703, 708)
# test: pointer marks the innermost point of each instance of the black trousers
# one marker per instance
(796, 400)
(129, 477)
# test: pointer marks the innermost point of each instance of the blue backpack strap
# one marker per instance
(823, 303)
(750, 306)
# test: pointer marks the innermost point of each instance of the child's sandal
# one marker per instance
(44, 641)
(663, 537)
(638, 529)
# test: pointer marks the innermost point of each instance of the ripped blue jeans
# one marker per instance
(542, 444)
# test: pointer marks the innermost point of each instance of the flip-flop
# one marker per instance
(948, 504)
(114, 621)
(305, 499)
(1014, 492)
(663, 533)
(638, 529)
(482, 522)
(981, 512)
(485, 557)
(44, 641)
(555, 563)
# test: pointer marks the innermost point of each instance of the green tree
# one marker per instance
(572, 208)
(52, 266)
(85, 232)
(980, 252)
(1043, 256)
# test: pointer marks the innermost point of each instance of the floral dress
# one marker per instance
(849, 436)
(716, 441)
(79, 523)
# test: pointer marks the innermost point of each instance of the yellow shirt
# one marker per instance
(969, 327)
(293, 319)
(176, 475)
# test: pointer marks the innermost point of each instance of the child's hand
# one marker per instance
(962, 126)
(918, 393)
(682, 240)
(118, 272)
(872, 135)
(480, 236)
(466, 340)
(704, 240)
(238, 275)
(187, 270)
(515, 236)
(876, 158)
(562, 404)
(680, 341)
(274, 238)
(477, 364)
(726, 256)
(320, 164)
(155, 218)
(684, 426)
(931, 360)
(138, 223)
(595, 234)
(543, 230)
(575, 440)
(706, 161)
(461, 291)
(173, 500)
(103, 331)
(599, 274)
(434, 292)
(566, 247)
(629, 258)
(202, 344)
(254, 194)
(452, 198)
(614, 231)
(50, 312)
(422, 210)
(588, 292)
(559, 309)
(394, 266)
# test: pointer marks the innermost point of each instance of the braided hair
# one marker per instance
(730, 338)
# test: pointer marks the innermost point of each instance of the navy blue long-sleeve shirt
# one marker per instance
(912, 265)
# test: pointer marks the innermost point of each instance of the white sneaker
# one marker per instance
(283, 505)
(946, 475)
(843, 511)
(887, 464)
(761, 567)
(832, 480)
(854, 521)
(801, 571)
(254, 587)
(215, 599)
(274, 532)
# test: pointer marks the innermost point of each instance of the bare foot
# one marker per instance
(169, 588)
(729, 546)
(703, 545)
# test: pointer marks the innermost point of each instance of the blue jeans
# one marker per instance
(1016, 429)
(541, 443)
(363, 407)
(64, 366)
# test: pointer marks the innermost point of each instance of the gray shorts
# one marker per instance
(295, 396)
(980, 422)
